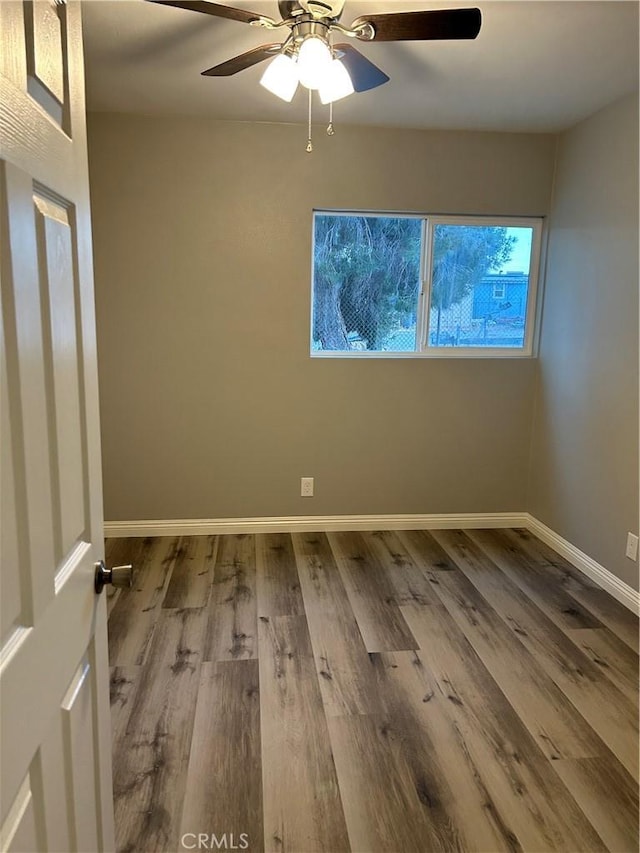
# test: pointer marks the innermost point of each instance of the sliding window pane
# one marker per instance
(479, 286)
(366, 282)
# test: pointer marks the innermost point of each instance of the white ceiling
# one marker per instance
(536, 66)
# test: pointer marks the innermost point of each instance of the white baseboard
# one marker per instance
(332, 523)
(310, 523)
(603, 577)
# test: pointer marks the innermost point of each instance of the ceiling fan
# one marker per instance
(308, 55)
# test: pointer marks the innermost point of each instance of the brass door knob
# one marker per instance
(117, 576)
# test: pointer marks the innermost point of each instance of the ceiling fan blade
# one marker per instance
(244, 60)
(364, 74)
(423, 26)
(216, 9)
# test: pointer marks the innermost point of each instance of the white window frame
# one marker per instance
(526, 350)
(501, 287)
(423, 348)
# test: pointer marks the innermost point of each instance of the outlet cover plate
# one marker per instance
(632, 546)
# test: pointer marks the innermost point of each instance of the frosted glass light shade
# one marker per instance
(281, 77)
(314, 61)
(336, 84)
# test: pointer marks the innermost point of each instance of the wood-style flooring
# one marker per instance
(387, 691)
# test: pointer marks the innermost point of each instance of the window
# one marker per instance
(423, 285)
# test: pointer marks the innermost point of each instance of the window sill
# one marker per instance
(451, 354)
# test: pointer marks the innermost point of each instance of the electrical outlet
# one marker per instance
(306, 487)
(632, 546)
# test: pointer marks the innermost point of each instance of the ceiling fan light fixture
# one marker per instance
(314, 61)
(308, 56)
(337, 83)
(281, 77)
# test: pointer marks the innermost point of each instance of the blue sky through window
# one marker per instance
(521, 255)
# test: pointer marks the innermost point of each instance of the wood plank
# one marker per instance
(426, 551)
(499, 778)
(371, 595)
(150, 766)
(123, 683)
(190, 581)
(278, 583)
(568, 575)
(603, 706)
(609, 800)
(453, 789)
(112, 596)
(611, 613)
(553, 721)
(406, 578)
(388, 807)
(232, 629)
(134, 616)
(344, 668)
(224, 787)
(592, 598)
(524, 795)
(302, 808)
(536, 581)
(615, 660)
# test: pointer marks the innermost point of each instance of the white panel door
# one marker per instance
(55, 791)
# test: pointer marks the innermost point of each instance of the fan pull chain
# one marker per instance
(309, 142)
(330, 130)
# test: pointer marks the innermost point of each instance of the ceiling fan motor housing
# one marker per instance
(323, 8)
(304, 29)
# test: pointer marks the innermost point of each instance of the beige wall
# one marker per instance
(584, 465)
(210, 403)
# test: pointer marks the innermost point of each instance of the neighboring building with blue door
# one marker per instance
(491, 314)
(501, 296)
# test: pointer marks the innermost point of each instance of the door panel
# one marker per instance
(77, 717)
(11, 600)
(26, 393)
(59, 306)
(18, 833)
(55, 785)
(45, 54)
(49, 790)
